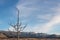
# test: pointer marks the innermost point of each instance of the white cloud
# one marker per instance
(11, 29)
(26, 11)
(45, 17)
(26, 7)
(45, 28)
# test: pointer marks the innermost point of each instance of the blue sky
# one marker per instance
(40, 15)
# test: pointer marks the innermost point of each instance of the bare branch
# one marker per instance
(24, 26)
(11, 24)
(18, 26)
(8, 29)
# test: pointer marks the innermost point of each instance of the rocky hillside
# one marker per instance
(29, 34)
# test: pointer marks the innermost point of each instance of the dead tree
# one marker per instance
(18, 26)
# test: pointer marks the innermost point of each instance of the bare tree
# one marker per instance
(18, 26)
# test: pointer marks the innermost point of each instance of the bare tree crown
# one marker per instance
(18, 26)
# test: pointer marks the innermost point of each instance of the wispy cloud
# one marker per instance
(34, 11)
(47, 27)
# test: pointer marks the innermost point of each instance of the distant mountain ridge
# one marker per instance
(11, 34)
